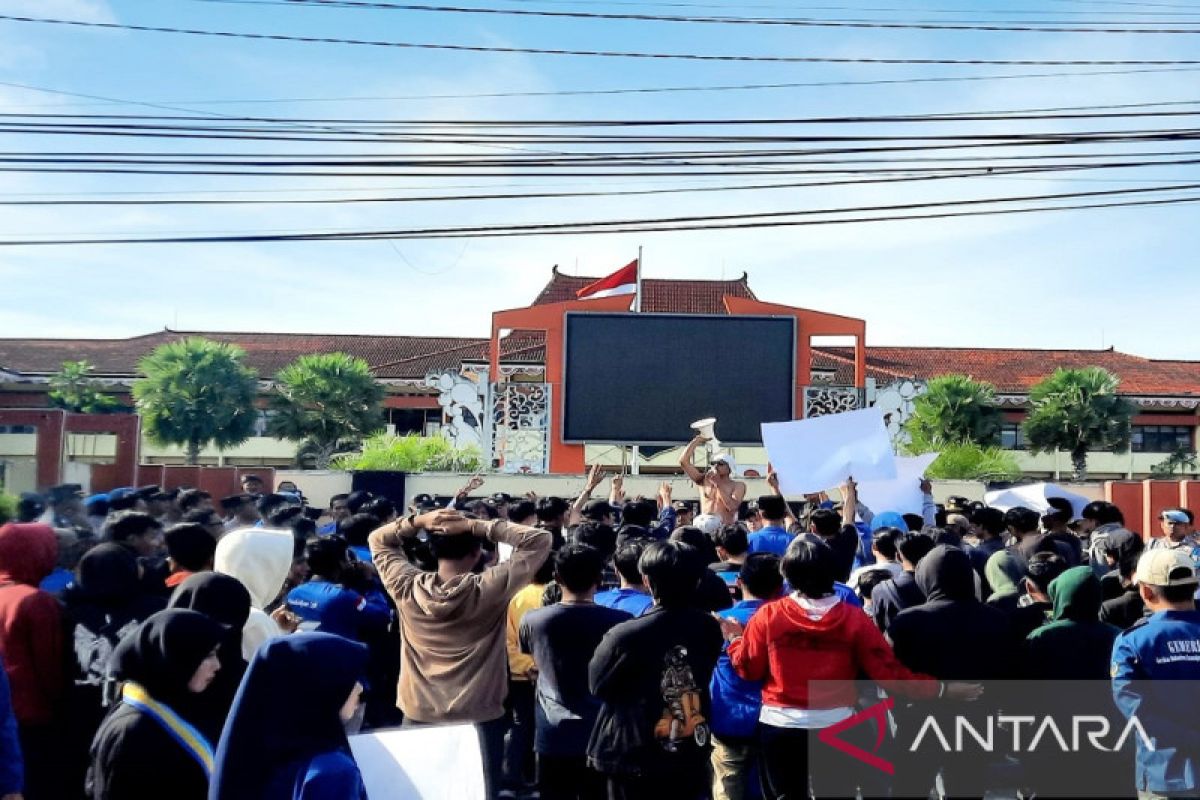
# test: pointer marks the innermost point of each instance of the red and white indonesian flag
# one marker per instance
(623, 281)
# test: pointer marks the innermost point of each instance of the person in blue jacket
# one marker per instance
(340, 596)
(285, 738)
(12, 766)
(1155, 670)
(736, 702)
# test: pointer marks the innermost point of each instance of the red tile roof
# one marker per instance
(658, 295)
(1015, 371)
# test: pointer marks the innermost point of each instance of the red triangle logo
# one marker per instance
(876, 712)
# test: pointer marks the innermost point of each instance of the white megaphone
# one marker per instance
(704, 428)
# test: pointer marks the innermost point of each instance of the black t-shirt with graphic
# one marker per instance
(652, 675)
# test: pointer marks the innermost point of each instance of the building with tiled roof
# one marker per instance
(1167, 392)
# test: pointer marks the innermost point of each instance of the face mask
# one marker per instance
(355, 723)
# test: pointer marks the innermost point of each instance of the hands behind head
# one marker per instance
(444, 521)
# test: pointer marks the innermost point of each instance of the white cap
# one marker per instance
(728, 459)
(1166, 567)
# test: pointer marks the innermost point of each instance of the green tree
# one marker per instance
(326, 401)
(195, 392)
(74, 389)
(965, 461)
(1079, 411)
(411, 453)
(952, 410)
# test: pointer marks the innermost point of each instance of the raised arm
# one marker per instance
(849, 501)
(773, 482)
(685, 461)
(595, 478)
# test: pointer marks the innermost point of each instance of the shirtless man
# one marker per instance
(720, 494)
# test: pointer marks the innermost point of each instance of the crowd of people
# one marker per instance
(169, 643)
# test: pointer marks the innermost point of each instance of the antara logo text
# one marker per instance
(1009, 733)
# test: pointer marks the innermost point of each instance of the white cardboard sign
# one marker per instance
(902, 494)
(812, 455)
(434, 763)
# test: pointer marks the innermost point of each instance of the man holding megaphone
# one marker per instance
(720, 494)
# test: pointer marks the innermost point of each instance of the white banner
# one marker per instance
(812, 455)
(902, 494)
(434, 763)
(1034, 496)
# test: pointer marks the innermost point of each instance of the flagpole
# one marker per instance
(636, 453)
(637, 292)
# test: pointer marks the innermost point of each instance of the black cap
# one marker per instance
(64, 492)
(422, 499)
(501, 497)
(164, 494)
(30, 505)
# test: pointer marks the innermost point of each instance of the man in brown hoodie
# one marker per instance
(452, 622)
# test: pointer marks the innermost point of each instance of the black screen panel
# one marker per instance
(644, 378)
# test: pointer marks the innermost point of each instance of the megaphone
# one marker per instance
(704, 428)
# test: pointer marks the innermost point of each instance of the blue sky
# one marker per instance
(1127, 278)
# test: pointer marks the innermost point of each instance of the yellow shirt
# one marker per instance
(521, 665)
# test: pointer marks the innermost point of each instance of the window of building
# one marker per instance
(1161, 438)
(1012, 437)
(17, 429)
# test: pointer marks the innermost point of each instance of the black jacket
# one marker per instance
(893, 596)
(652, 675)
(134, 758)
(1124, 611)
(952, 636)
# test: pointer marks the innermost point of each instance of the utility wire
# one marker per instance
(602, 53)
(805, 22)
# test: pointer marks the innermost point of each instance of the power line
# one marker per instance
(807, 22)
(709, 222)
(602, 53)
(174, 105)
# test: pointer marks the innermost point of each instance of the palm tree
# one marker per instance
(1078, 410)
(195, 392)
(73, 389)
(954, 409)
(326, 401)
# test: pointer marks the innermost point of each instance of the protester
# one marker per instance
(142, 535)
(252, 485)
(286, 736)
(1099, 519)
(519, 762)
(631, 596)
(240, 512)
(194, 500)
(338, 511)
(562, 639)
(260, 559)
(1155, 669)
(652, 676)
(736, 702)
(952, 636)
(31, 646)
(896, 594)
(226, 601)
(1074, 645)
(989, 527)
(339, 596)
(813, 636)
(1004, 572)
(841, 538)
(720, 494)
(105, 604)
(149, 745)
(1121, 547)
(453, 620)
(711, 592)
(773, 536)
(883, 550)
(190, 549)
(733, 547)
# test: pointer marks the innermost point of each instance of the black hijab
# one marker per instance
(225, 600)
(286, 713)
(163, 653)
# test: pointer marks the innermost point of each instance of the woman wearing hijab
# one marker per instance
(104, 603)
(224, 600)
(1005, 572)
(148, 746)
(286, 736)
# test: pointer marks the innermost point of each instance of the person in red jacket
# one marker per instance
(808, 648)
(31, 644)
